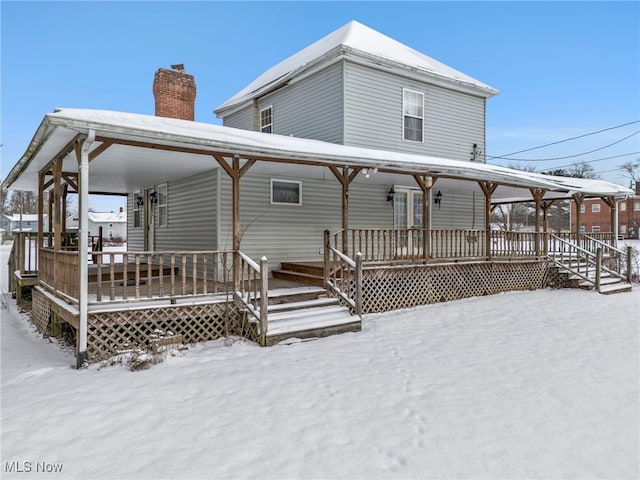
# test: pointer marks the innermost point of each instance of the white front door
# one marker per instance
(407, 221)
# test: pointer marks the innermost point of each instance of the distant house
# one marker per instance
(16, 223)
(595, 216)
(113, 224)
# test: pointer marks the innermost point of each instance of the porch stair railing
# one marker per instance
(600, 269)
(343, 275)
(252, 290)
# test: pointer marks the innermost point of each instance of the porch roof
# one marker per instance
(149, 150)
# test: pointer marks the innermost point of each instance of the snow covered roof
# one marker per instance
(356, 40)
(150, 150)
(26, 217)
(107, 217)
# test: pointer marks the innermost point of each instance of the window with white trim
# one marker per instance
(636, 206)
(582, 209)
(623, 229)
(412, 115)
(137, 209)
(266, 120)
(595, 229)
(623, 206)
(595, 208)
(163, 213)
(286, 192)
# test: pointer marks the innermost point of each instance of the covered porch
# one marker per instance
(365, 269)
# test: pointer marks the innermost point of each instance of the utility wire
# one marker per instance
(561, 141)
(567, 156)
(595, 160)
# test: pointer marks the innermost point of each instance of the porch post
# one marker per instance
(426, 183)
(41, 177)
(235, 218)
(578, 198)
(487, 188)
(82, 155)
(538, 195)
(235, 171)
(57, 211)
(345, 178)
(613, 208)
(546, 204)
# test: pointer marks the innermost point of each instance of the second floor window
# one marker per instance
(412, 115)
(266, 120)
(595, 208)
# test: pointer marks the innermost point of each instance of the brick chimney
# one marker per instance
(175, 93)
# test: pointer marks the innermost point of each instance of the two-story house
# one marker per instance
(358, 158)
(354, 87)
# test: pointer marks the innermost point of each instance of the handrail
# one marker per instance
(613, 257)
(590, 260)
(343, 275)
(253, 290)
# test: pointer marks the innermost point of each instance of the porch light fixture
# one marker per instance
(390, 194)
(139, 201)
(438, 198)
(153, 197)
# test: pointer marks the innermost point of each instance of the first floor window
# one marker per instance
(266, 120)
(623, 206)
(636, 206)
(595, 229)
(286, 192)
(162, 205)
(412, 115)
(623, 229)
(137, 209)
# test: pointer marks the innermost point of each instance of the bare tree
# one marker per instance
(631, 170)
(22, 201)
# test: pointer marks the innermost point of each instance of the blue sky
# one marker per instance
(563, 69)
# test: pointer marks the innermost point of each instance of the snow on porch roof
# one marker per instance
(362, 41)
(121, 169)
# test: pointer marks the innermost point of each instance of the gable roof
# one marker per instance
(356, 40)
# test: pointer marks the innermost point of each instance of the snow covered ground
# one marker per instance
(540, 384)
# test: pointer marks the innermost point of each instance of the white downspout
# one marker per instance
(83, 247)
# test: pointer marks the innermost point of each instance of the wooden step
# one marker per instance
(299, 277)
(620, 287)
(310, 268)
(311, 323)
(290, 306)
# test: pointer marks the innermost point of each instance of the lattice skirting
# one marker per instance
(114, 332)
(394, 287)
(40, 310)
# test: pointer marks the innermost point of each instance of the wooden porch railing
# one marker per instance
(58, 269)
(391, 245)
(343, 275)
(125, 276)
(159, 274)
(252, 287)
